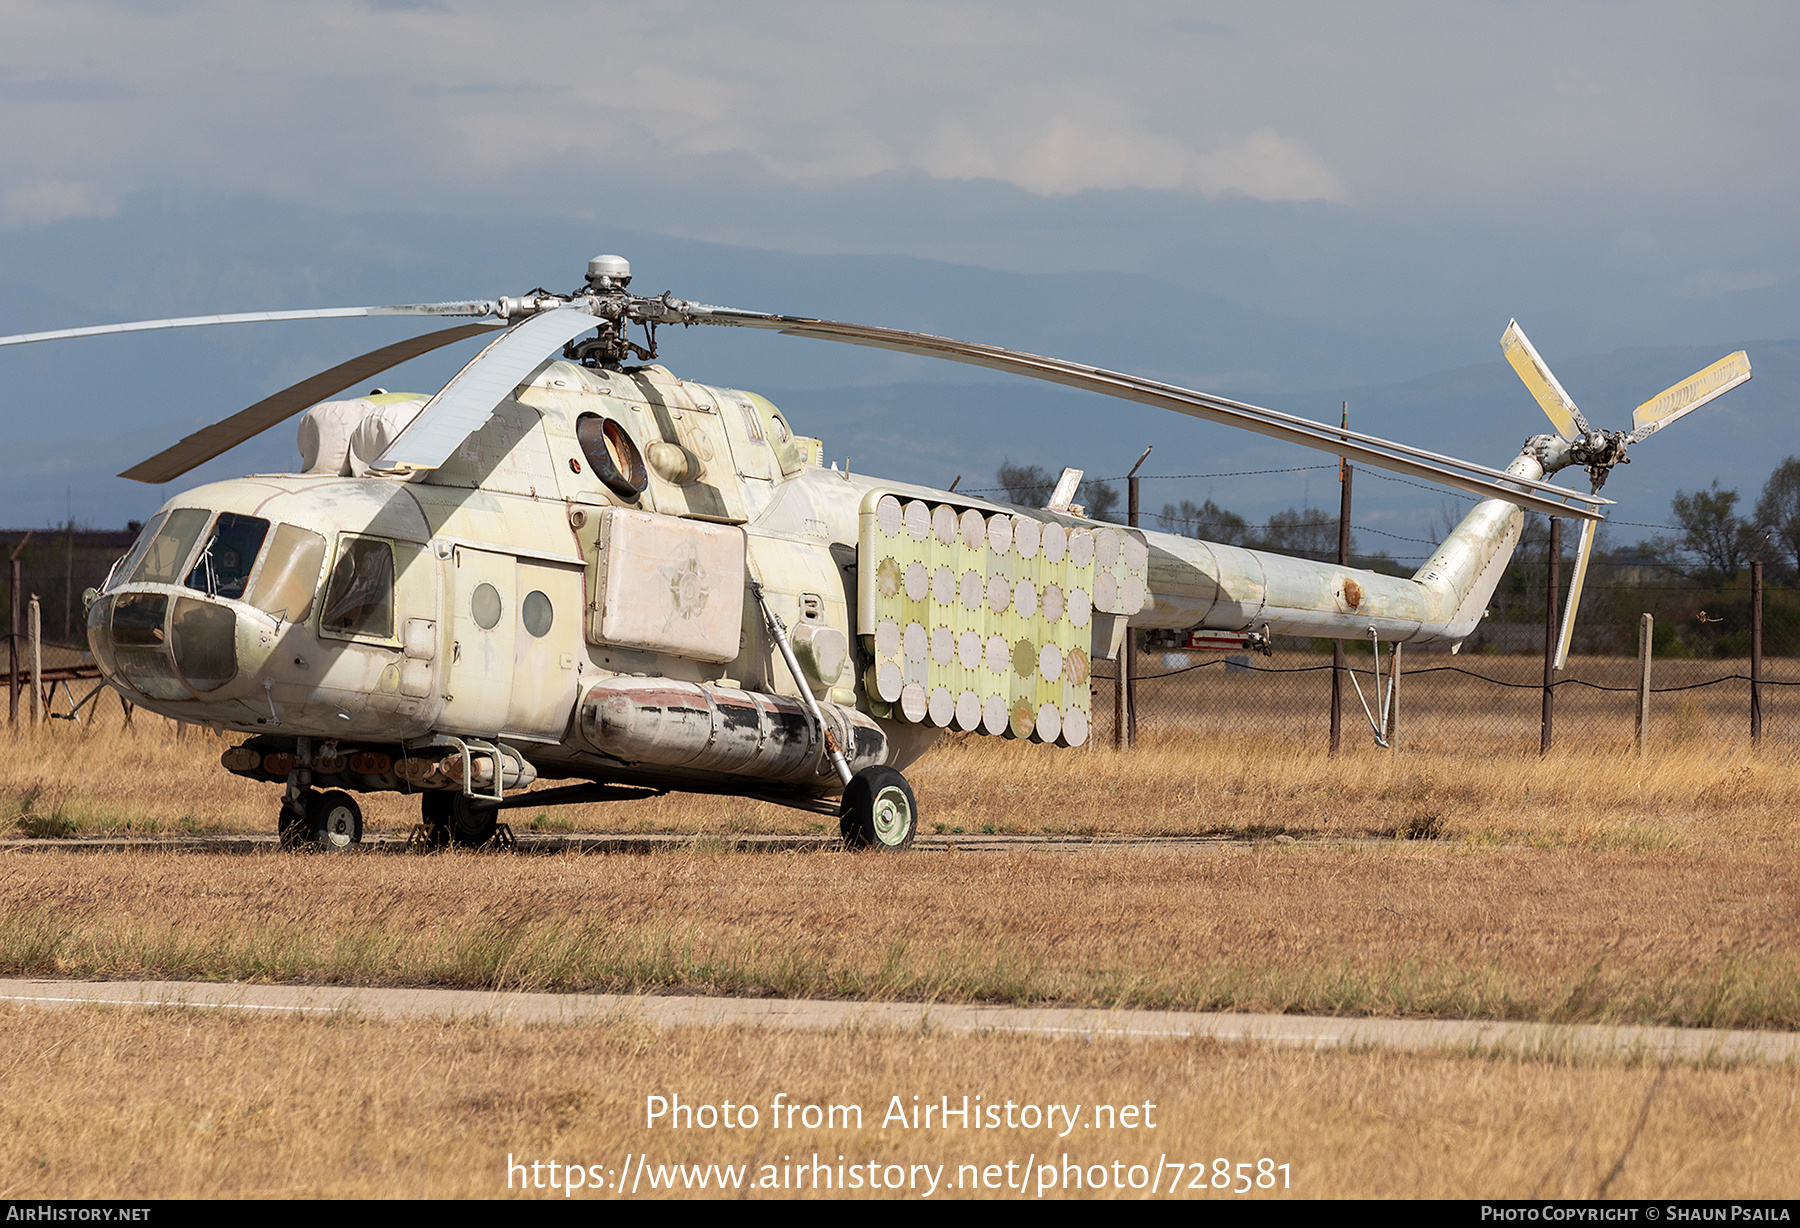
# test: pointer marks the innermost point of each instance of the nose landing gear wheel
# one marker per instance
(292, 828)
(336, 820)
(879, 811)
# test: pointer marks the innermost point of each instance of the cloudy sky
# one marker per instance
(1613, 174)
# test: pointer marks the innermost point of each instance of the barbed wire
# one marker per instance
(1467, 673)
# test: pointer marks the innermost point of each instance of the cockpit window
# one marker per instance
(169, 549)
(360, 599)
(128, 564)
(225, 562)
(290, 574)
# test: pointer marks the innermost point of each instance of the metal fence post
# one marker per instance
(1756, 604)
(1546, 735)
(1646, 629)
(1393, 720)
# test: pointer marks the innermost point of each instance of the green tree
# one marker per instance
(1096, 498)
(1713, 532)
(1307, 532)
(1032, 485)
(1208, 521)
(1025, 485)
(1779, 508)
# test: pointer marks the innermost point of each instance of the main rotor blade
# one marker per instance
(210, 441)
(1687, 396)
(465, 404)
(257, 317)
(1523, 356)
(1353, 445)
(1573, 603)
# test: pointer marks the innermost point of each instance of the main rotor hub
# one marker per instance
(608, 272)
(1598, 452)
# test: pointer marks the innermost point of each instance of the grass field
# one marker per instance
(1558, 935)
(1583, 887)
(1691, 794)
(180, 1103)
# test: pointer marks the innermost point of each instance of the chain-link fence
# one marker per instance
(1482, 702)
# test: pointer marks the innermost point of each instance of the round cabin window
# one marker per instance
(485, 606)
(537, 614)
(615, 459)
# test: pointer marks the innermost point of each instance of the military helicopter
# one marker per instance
(579, 567)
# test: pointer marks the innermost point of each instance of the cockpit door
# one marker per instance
(547, 641)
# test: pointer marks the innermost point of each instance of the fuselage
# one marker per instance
(603, 529)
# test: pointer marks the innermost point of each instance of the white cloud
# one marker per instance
(1267, 166)
(1072, 140)
(53, 200)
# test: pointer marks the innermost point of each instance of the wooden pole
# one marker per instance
(37, 663)
(1756, 604)
(1338, 659)
(1128, 662)
(1546, 734)
(1646, 628)
(69, 586)
(14, 642)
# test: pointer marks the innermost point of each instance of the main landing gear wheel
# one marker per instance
(448, 818)
(878, 811)
(336, 820)
(434, 820)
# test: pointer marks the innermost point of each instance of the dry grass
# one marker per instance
(1446, 711)
(1401, 930)
(177, 1104)
(1696, 795)
(1586, 887)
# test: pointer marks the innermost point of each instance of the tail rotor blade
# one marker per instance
(1690, 394)
(1573, 603)
(210, 441)
(1523, 356)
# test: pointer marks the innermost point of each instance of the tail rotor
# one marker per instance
(1598, 451)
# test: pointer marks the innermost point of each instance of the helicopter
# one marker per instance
(571, 565)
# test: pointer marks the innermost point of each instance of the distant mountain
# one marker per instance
(930, 433)
(77, 413)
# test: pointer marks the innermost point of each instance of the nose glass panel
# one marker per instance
(137, 620)
(138, 637)
(205, 640)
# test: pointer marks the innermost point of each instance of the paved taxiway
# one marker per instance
(1307, 1031)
